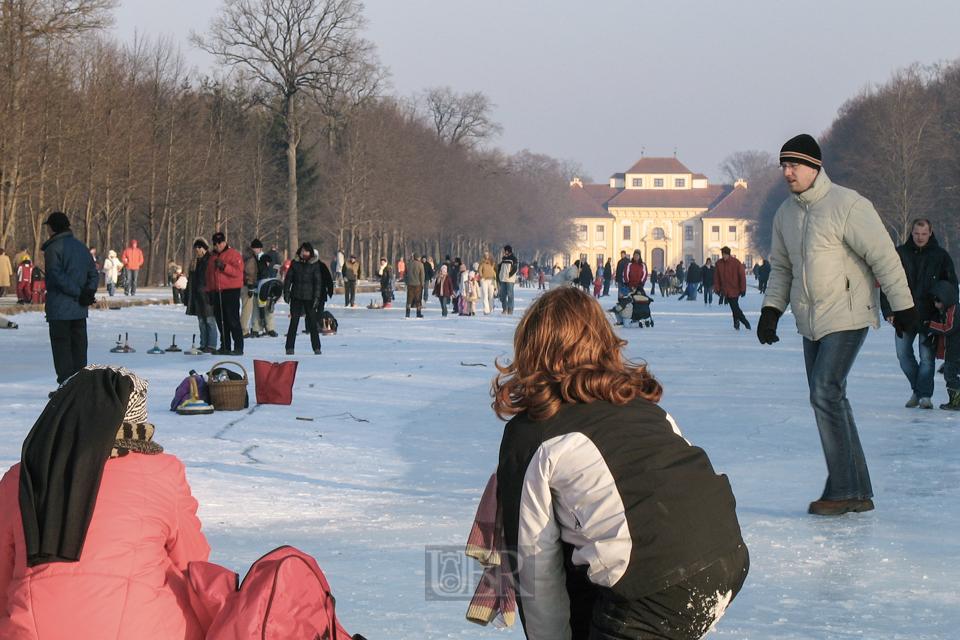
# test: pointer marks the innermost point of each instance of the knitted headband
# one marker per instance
(802, 149)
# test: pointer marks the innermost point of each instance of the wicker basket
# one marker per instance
(228, 395)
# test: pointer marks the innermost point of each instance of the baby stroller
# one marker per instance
(633, 307)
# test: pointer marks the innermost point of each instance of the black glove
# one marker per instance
(220, 264)
(87, 297)
(767, 327)
(904, 320)
(743, 295)
(316, 305)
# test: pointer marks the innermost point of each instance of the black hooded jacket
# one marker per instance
(308, 280)
(925, 266)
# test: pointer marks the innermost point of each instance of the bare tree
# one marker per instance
(461, 119)
(292, 46)
(26, 25)
(745, 165)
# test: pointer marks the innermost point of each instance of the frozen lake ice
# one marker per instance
(402, 440)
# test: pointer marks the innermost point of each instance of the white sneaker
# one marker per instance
(912, 402)
(926, 403)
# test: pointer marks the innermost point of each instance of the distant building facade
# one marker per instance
(663, 209)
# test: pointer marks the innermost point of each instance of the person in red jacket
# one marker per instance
(730, 281)
(224, 281)
(25, 282)
(132, 259)
(635, 273)
(97, 524)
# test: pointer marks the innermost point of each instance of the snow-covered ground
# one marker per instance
(402, 440)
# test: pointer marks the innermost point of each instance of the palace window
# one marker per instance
(638, 182)
(657, 233)
(583, 258)
(658, 182)
(688, 232)
(582, 233)
(688, 258)
(748, 262)
(626, 233)
(600, 233)
(680, 182)
(732, 232)
(599, 261)
(715, 233)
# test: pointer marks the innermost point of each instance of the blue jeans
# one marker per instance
(708, 295)
(920, 375)
(506, 296)
(828, 362)
(130, 288)
(111, 288)
(208, 331)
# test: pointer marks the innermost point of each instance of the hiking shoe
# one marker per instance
(954, 404)
(746, 323)
(912, 402)
(317, 352)
(926, 403)
(236, 352)
(840, 507)
(272, 334)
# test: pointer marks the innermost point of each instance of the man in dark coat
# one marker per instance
(72, 280)
(197, 303)
(414, 277)
(693, 281)
(706, 279)
(307, 287)
(621, 265)
(586, 276)
(925, 263)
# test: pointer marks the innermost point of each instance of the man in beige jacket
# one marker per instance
(829, 248)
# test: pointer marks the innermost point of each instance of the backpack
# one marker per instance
(284, 595)
(182, 394)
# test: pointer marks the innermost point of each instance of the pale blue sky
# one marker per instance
(600, 82)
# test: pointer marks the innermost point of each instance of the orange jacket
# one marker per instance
(129, 581)
(132, 258)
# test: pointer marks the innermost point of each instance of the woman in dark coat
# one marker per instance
(307, 286)
(706, 280)
(196, 297)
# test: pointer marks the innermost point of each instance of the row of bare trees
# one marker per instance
(897, 144)
(295, 138)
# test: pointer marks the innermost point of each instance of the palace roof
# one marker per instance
(658, 165)
(584, 204)
(733, 206)
(704, 198)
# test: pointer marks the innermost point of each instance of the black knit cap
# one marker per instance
(256, 244)
(218, 237)
(802, 149)
(58, 221)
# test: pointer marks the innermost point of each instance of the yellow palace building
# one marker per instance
(663, 209)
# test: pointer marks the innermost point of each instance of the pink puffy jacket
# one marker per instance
(129, 582)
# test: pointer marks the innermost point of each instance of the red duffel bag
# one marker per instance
(284, 595)
(274, 381)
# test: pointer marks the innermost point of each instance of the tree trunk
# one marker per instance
(293, 238)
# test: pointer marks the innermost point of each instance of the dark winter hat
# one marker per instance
(219, 237)
(802, 149)
(200, 243)
(256, 244)
(725, 250)
(58, 221)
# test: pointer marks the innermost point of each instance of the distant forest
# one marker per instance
(294, 138)
(897, 144)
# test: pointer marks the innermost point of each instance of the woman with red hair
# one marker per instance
(617, 527)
